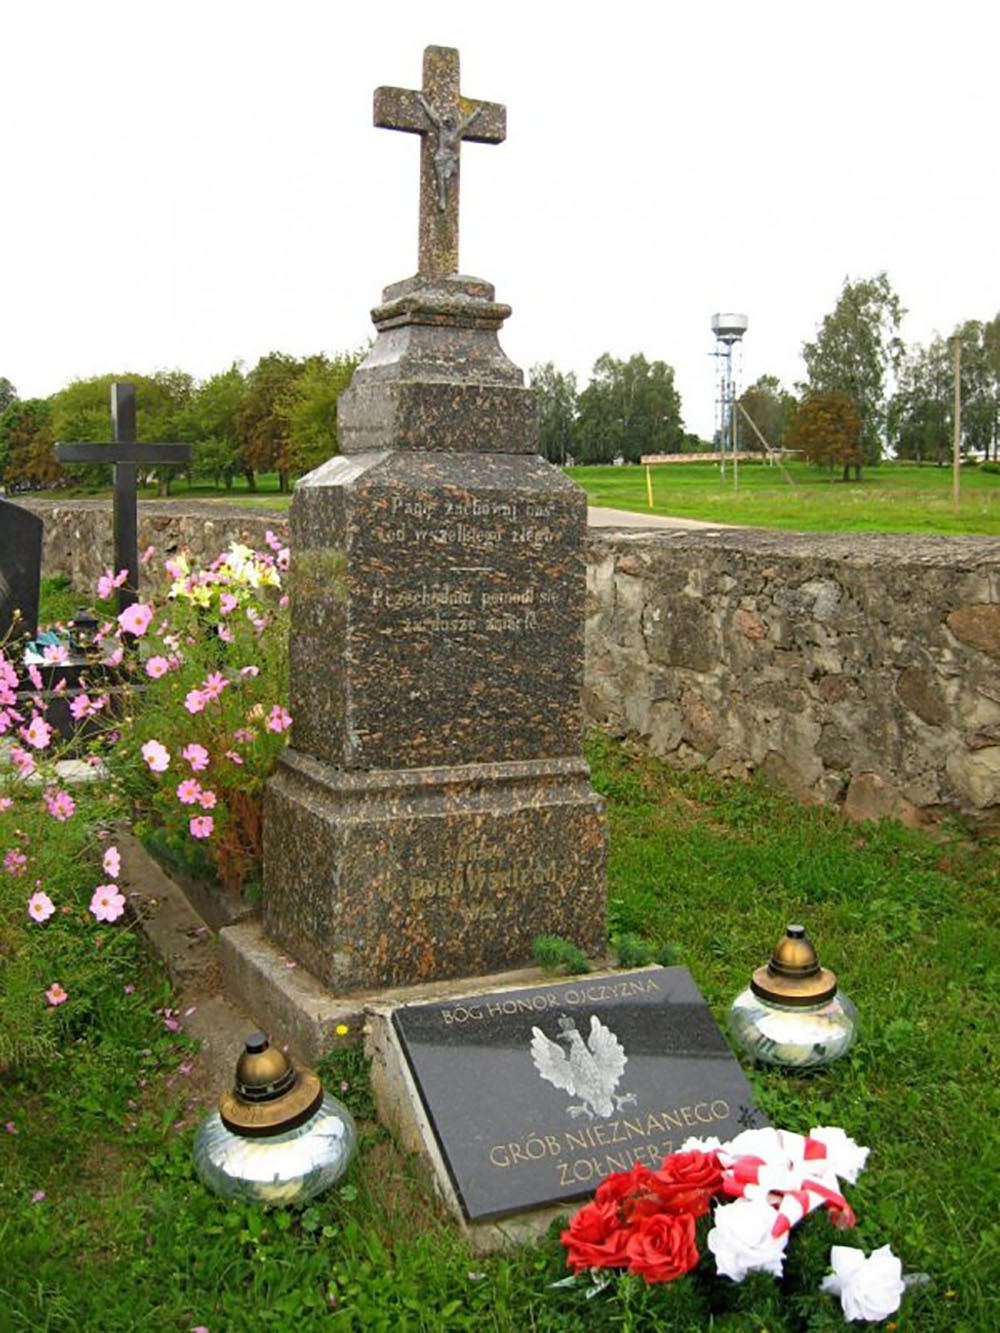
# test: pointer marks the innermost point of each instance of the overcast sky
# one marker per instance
(185, 184)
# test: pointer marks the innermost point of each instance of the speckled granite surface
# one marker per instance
(394, 877)
(434, 813)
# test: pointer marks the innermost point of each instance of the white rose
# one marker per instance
(741, 1239)
(694, 1144)
(765, 1143)
(868, 1288)
(845, 1158)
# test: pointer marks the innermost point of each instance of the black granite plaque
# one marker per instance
(536, 1094)
(20, 569)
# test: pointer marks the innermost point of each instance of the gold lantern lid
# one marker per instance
(794, 976)
(270, 1096)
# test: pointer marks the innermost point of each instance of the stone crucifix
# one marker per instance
(125, 453)
(443, 118)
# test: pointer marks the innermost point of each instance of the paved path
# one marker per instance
(628, 518)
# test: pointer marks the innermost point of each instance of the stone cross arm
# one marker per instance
(124, 451)
(403, 109)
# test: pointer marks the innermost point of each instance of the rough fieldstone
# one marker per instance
(979, 626)
(922, 696)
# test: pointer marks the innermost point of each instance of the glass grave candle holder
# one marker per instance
(792, 1013)
(277, 1137)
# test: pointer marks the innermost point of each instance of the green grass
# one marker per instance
(127, 1240)
(894, 497)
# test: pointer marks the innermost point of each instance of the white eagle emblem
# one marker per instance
(589, 1071)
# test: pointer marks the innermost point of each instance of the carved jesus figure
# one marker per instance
(449, 130)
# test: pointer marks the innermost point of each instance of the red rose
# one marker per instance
(621, 1185)
(662, 1247)
(686, 1182)
(595, 1238)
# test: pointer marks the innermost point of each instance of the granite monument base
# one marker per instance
(397, 877)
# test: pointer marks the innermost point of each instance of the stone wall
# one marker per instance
(79, 542)
(863, 668)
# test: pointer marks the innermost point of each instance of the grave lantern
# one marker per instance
(792, 1013)
(277, 1137)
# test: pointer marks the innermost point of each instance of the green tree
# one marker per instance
(629, 408)
(920, 411)
(308, 410)
(771, 409)
(826, 429)
(557, 410)
(856, 347)
(8, 394)
(26, 456)
(212, 425)
(262, 430)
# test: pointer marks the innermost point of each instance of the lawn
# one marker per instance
(894, 497)
(125, 1239)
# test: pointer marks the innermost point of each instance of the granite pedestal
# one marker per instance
(434, 813)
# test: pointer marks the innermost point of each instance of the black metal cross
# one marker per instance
(126, 454)
(443, 118)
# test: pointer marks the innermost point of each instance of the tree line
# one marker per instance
(280, 416)
(865, 393)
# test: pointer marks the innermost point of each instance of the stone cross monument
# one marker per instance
(433, 813)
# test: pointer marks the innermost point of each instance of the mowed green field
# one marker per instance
(893, 497)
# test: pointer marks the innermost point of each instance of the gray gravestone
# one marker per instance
(535, 1095)
(20, 570)
(434, 812)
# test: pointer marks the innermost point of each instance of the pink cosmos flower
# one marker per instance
(5, 803)
(272, 541)
(14, 862)
(214, 685)
(157, 756)
(279, 719)
(38, 1196)
(189, 791)
(196, 755)
(283, 600)
(107, 904)
(194, 701)
(10, 1127)
(157, 667)
(243, 735)
(80, 707)
(112, 862)
(38, 733)
(147, 555)
(35, 676)
(54, 653)
(115, 657)
(129, 989)
(40, 906)
(224, 633)
(234, 757)
(135, 618)
(201, 826)
(56, 995)
(228, 602)
(22, 761)
(206, 800)
(61, 805)
(108, 582)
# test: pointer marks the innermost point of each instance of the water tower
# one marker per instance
(729, 330)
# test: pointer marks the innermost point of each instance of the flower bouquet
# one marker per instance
(762, 1183)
